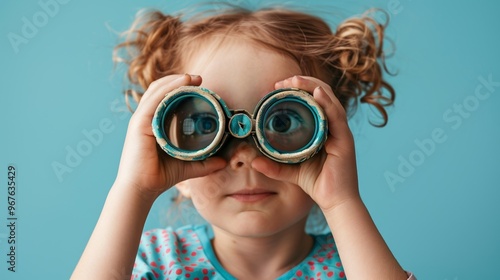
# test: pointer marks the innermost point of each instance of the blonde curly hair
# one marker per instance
(351, 59)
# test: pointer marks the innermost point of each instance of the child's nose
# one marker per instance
(241, 154)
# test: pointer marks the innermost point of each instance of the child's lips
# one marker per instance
(251, 195)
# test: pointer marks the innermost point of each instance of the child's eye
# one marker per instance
(206, 124)
(203, 123)
(283, 121)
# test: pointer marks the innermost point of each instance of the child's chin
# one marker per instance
(255, 228)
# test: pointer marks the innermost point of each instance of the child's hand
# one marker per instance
(330, 177)
(143, 164)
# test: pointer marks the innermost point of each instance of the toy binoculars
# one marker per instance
(192, 123)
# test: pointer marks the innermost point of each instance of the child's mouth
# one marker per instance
(252, 195)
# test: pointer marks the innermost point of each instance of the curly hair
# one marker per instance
(351, 59)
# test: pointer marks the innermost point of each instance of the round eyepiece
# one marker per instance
(189, 123)
(290, 125)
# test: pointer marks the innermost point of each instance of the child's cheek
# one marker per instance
(206, 190)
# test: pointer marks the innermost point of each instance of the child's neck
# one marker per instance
(262, 257)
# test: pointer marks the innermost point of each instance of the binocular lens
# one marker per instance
(289, 126)
(190, 123)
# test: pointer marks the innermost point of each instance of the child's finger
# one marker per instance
(305, 83)
(274, 170)
(337, 119)
(195, 169)
(157, 90)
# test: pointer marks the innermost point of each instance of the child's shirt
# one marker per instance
(187, 253)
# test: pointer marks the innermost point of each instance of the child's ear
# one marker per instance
(183, 188)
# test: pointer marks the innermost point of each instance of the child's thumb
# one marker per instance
(202, 168)
(274, 170)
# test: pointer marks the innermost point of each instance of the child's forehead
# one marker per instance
(230, 42)
(239, 71)
(237, 53)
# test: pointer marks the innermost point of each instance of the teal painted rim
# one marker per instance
(170, 100)
(320, 123)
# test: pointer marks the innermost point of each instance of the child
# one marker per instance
(257, 208)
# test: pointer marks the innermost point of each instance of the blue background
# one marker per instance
(441, 219)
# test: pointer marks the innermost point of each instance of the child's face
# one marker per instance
(241, 74)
